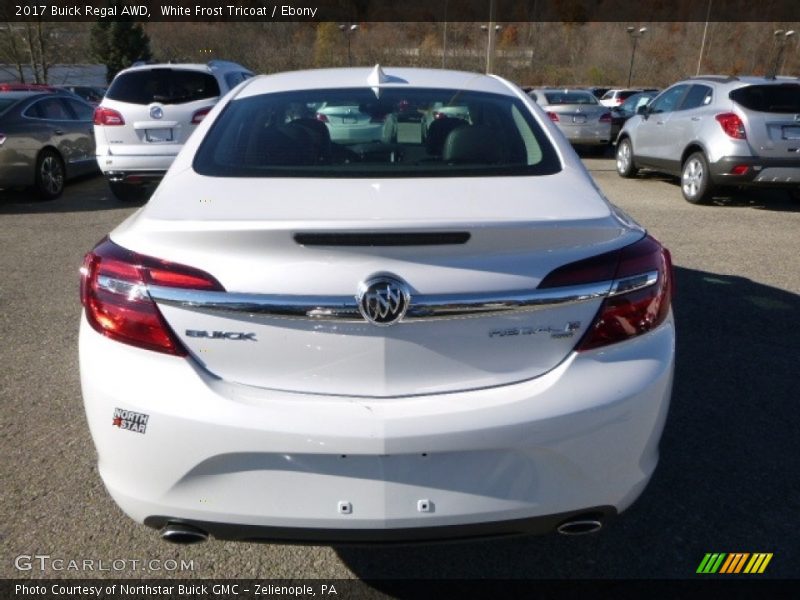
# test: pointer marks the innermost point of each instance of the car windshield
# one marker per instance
(570, 98)
(357, 133)
(167, 86)
(782, 98)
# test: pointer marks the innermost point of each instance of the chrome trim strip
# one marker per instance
(345, 308)
(633, 283)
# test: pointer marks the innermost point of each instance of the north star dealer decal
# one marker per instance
(132, 421)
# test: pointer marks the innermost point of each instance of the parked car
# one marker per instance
(348, 123)
(598, 92)
(623, 112)
(577, 114)
(393, 344)
(45, 139)
(718, 131)
(148, 113)
(617, 97)
(14, 86)
(90, 93)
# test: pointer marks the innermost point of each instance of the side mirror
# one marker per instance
(643, 110)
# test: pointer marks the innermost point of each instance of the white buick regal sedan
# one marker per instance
(442, 331)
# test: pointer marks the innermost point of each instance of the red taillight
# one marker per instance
(198, 116)
(553, 116)
(114, 291)
(322, 117)
(605, 118)
(107, 116)
(739, 169)
(732, 125)
(641, 291)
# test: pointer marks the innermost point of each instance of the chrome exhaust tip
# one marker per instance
(579, 526)
(178, 533)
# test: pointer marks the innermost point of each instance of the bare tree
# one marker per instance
(11, 50)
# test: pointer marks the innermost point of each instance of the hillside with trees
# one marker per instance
(527, 53)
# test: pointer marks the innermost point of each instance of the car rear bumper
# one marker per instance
(134, 176)
(246, 463)
(587, 135)
(304, 535)
(783, 172)
(144, 163)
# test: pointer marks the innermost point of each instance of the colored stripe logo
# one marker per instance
(734, 563)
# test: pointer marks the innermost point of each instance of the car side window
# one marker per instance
(697, 96)
(48, 108)
(668, 101)
(83, 112)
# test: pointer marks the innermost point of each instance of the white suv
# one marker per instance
(149, 112)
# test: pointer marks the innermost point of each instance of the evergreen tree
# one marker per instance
(118, 44)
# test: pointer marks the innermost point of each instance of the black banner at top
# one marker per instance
(437, 11)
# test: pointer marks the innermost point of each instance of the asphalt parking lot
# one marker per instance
(727, 481)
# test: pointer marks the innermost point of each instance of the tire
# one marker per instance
(50, 174)
(624, 156)
(126, 192)
(696, 185)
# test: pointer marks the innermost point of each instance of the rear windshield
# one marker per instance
(355, 133)
(167, 86)
(570, 98)
(781, 98)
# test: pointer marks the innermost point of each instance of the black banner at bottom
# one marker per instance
(345, 589)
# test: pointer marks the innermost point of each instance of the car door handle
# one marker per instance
(695, 118)
(659, 122)
(58, 131)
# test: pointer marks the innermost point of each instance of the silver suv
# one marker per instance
(716, 131)
(147, 114)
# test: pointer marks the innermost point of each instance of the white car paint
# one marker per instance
(332, 427)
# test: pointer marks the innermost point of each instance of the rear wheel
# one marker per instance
(127, 192)
(625, 166)
(49, 174)
(696, 183)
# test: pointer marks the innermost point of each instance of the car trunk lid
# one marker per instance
(314, 252)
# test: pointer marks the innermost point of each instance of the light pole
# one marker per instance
(635, 35)
(781, 38)
(703, 42)
(444, 36)
(492, 30)
(348, 30)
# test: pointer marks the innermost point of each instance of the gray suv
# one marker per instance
(718, 131)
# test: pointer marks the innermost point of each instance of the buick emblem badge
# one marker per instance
(156, 112)
(383, 300)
